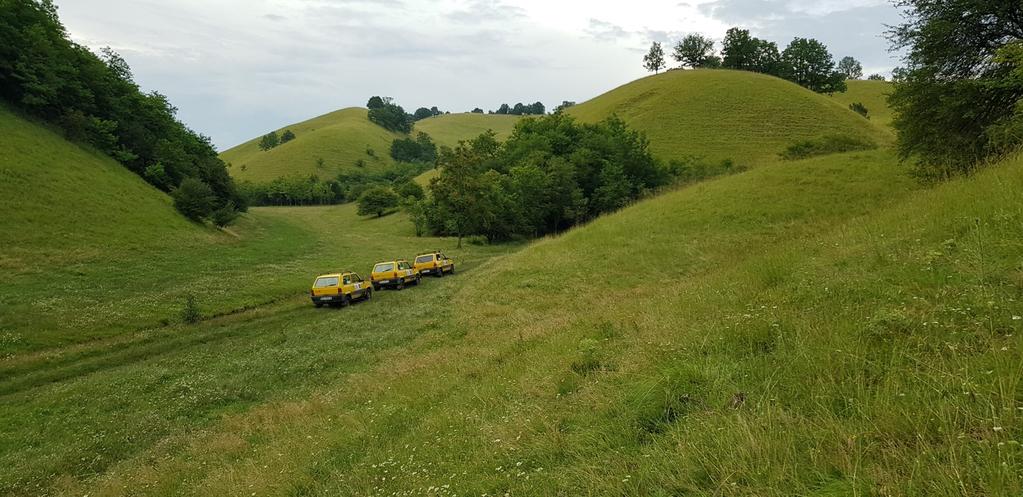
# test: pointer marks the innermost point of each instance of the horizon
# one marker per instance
(236, 71)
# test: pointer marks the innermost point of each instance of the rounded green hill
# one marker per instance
(722, 114)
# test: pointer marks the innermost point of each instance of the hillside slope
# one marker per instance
(340, 138)
(873, 95)
(722, 114)
(812, 328)
(62, 203)
(449, 129)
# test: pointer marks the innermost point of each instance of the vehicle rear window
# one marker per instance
(381, 268)
(424, 258)
(325, 282)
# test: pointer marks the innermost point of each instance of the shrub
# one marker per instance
(194, 199)
(829, 144)
(860, 109)
(225, 215)
(391, 117)
(268, 141)
(190, 312)
(287, 136)
(410, 189)
(377, 200)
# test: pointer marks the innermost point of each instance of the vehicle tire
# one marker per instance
(400, 285)
(376, 287)
(345, 300)
(452, 269)
(440, 272)
(317, 304)
(418, 279)
(369, 294)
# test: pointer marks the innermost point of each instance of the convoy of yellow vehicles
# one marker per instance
(341, 289)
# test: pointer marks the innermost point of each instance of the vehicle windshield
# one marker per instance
(382, 268)
(325, 282)
(424, 258)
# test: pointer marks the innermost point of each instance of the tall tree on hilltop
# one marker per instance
(850, 67)
(958, 100)
(808, 63)
(694, 51)
(654, 59)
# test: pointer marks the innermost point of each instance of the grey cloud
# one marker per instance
(606, 31)
(487, 11)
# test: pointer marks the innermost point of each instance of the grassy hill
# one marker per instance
(449, 129)
(818, 327)
(821, 327)
(873, 95)
(63, 204)
(721, 114)
(340, 139)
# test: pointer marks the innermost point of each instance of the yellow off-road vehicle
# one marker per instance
(395, 274)
(339, 289)
(434, 263)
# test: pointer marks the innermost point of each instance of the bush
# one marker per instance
(690, 169)
(410, 189)
(287, 136)
(377, 200)
(194, 199)
(860, 109)
(225, 215)
(830, 144)
(391, 117)
(190, 312)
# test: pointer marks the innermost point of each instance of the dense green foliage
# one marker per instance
(805, 62)
(551, 174)
(850, 68)
(654, 59)
(958, 101)
(269, 140)
(827, 144)
(391, 117)
(521, 109)
(312, 190)
(875, 77)
(860, 109)
(423, 113)
(194, 199)
(377, 201)
(808, 63)
(696, 51)
(96, 101)
(287, 136)
(744, 52)
(420, 149)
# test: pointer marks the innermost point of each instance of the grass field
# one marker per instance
(340, 138)
(449, 129)
(721, 114)
(819, 327)
(873, 95)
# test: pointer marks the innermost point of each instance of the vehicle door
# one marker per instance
(346, 285)
(406, 269)
(358, 286)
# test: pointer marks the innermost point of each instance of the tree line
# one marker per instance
(805, 61)
(94, 100)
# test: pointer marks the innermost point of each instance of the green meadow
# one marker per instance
(819, 327)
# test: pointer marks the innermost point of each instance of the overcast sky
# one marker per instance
(239, 68)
